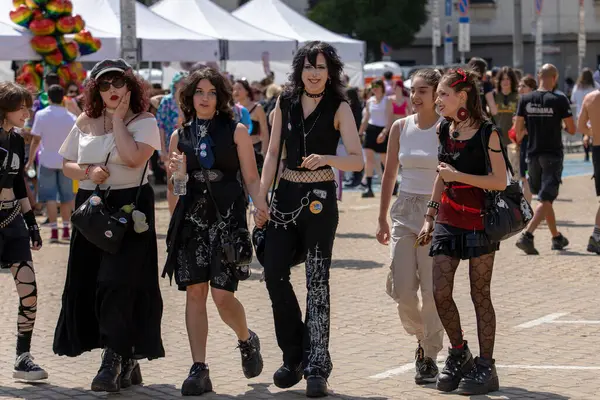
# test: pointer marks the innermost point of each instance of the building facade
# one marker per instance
(492, 27)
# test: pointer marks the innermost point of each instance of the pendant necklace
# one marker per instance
(201, 133)
(304, 133)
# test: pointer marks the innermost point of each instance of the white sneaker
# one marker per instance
(26, 369)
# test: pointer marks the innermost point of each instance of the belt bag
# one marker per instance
(506, 212)
(101, 226)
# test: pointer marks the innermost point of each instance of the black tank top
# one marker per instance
(321, 135)
(221, 131)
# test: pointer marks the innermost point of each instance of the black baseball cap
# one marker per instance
(105, 66)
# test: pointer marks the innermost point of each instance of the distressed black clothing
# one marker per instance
(15, 179)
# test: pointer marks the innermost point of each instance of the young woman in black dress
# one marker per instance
(458, 200)
(310, 117)
(216, 148)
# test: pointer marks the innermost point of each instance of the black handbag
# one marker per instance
(235, 244)
(506, 212)
(259, 234)
(101, 226)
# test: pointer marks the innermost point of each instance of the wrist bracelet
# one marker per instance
(87, 172)
(433, 204)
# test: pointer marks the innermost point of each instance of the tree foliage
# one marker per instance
(394, 22)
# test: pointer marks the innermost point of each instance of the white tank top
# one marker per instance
(377, 115)
(418, 157)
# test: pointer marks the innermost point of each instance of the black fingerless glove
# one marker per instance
(34, 230)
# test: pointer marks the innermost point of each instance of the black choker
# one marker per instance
(314, 96)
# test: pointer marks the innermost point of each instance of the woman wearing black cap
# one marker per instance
(113, 301)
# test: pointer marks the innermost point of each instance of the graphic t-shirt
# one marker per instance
(543, 112)
(507, 108)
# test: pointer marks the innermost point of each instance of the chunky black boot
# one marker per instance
(252, 362)
(131, 374)
(458, 363)
(107, 379)
(198, 381)
(316, 386)
(482, 379)
(287, 376)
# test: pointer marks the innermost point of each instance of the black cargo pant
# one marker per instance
(303, 222)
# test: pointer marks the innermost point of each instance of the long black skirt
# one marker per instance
(111, 300)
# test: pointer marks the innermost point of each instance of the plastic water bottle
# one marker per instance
(180, 178)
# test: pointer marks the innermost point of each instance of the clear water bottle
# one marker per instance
(180, 178)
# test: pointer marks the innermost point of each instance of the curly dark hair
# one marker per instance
(12, 97)
(461, 80)
(335, 67)
(514, 81)
(222, 85)
(93, 104)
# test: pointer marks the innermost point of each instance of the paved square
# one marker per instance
(546, 306)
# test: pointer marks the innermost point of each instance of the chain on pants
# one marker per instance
(304, 218)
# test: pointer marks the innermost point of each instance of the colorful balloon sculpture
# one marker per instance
(49, 21)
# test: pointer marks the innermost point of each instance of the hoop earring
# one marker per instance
(462, 114)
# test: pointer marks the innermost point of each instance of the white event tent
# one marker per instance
(160, 39)
(277, 18)
(244, 42)
(14, 43)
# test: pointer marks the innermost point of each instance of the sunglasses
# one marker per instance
(117, 83)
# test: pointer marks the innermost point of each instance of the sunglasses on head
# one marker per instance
(117, 83)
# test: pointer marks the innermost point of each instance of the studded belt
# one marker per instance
(8, 205)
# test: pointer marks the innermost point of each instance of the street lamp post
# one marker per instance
(129, 48)
(518, 35)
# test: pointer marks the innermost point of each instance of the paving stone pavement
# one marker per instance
(550, 360)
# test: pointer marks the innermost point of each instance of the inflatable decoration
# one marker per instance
(21, 16)
(87, 44)
(79, 23)
(42, 27)
(54, 59)
(65, 24)
(44, 44)
(35, 3)
(48, 21)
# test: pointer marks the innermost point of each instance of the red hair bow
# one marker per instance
(462, 73)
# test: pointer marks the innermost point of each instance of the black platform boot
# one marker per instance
(131, 374)
(107, 379)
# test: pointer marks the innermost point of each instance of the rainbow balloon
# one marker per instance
(44, 44)
(42, 27)
(58, 8)
(21, 16)
(79, 23)
(17, 3)
(35, 3)
(87, 44)
(65, 24)
(54, 59)
(69, 49)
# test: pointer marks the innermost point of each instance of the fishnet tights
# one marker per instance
(480, 276)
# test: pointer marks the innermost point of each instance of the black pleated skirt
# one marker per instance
(111, 300)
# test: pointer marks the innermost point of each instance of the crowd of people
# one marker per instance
(452, 137)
